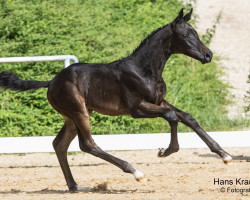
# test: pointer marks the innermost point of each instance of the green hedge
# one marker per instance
(95, 31)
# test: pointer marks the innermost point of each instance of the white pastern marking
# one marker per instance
(138, 175)
(227, 159)
(161, 152)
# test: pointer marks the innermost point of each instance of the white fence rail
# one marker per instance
(126, 142)
(66, 58)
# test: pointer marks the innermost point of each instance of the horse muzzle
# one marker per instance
(208, 57)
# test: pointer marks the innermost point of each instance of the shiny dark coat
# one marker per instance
(131, 86)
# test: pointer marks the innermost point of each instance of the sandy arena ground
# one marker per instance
(188, 174)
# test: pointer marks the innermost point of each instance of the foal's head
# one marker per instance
(186, 39)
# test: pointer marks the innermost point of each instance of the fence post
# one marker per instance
(66, 63)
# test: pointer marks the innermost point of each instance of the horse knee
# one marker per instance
(171, 116)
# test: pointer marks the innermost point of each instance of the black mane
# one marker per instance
(148, 38)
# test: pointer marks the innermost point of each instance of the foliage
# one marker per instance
(96, 31)
(247, 99)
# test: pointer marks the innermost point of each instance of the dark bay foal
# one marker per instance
(131, 86)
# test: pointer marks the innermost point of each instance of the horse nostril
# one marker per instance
(207, 56)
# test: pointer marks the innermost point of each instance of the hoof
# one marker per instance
(78, 188)
(161, 152)
(139, 176)
(166, 152)
(227, 159)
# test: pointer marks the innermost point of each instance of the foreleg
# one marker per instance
(174, 145)
(149, 110)
(189, 121)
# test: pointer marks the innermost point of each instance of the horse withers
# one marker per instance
(131, 86)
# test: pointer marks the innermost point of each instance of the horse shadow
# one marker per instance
(239, 158)
(95, 190)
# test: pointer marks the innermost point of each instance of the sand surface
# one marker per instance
(188, 174)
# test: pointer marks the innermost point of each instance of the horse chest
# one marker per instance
(158, 93)
(151, 90)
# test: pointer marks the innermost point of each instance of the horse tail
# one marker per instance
(8, 80)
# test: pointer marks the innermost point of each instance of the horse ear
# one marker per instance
(179, 17)
(187, 17)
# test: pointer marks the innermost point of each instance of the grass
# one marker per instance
(99, 32)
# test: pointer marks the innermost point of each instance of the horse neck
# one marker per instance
(152, 56)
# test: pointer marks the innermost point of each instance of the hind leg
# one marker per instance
(61, 144)
(88, 145)
(66, 99)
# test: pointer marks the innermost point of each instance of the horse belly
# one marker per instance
(110, 106)
(110, 111)
(106, 99)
